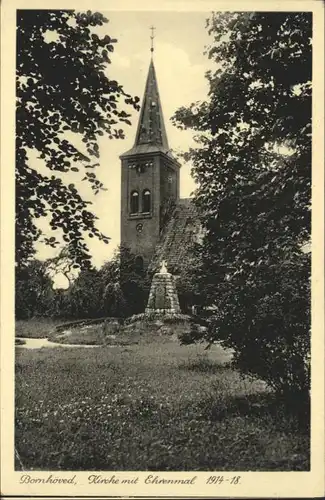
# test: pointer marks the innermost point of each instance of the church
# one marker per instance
(156, 224)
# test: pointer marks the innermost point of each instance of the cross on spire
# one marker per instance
(152, 38)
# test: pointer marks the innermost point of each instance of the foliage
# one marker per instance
(134, 282)
(161, 318)
(63, 263)
(33, 291)
(118, 288)
(112, 299)
(85, 294)
(253, 167)
(63, 92)
(188, 289)
(147, 407)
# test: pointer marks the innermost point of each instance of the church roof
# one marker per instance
(178, 237)
(151, 133)
(147, 148)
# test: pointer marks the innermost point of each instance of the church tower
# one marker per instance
(150, 178)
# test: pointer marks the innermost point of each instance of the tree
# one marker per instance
(62, 264)
(187, 284)
(134, 282)
(62, 89)
(84, 297)
(33, 291)
(112, 301)
(253, 168)
(117, 289)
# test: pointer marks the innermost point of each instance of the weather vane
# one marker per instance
(152, 38)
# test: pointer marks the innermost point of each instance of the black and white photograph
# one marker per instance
(163, 302)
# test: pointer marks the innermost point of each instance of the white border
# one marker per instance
(253, 484)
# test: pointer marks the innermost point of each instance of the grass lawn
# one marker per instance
(79, 336)
(107, 332)
(101, 334)
(36, 328)
(155, 405)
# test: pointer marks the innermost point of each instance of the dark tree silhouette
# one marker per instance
(62, 87)
(255, 196)
(34, 295)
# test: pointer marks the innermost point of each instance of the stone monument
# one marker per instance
(163, 297)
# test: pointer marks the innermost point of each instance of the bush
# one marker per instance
(193, 334)
(167, 318)
(268, 326)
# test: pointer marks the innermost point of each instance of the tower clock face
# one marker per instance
(139, 227)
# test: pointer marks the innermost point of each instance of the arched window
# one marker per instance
(146, 201)
(134, 202)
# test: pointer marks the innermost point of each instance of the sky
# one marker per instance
(180, 40)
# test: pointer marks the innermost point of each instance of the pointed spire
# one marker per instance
(151, 134)
(151, 127)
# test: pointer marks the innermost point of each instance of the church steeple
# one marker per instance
(151, 126)
(149, 177)
(151, 134)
